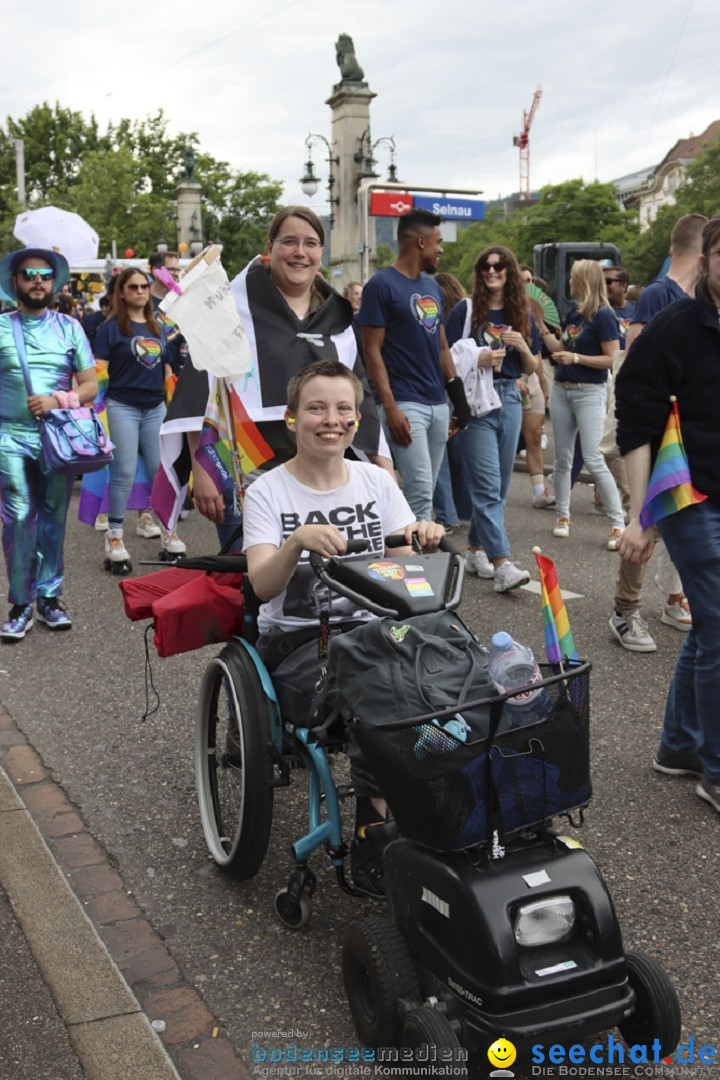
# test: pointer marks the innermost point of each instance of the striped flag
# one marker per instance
(670, 488)
(559, 643)
(95, 487)
(222, 435)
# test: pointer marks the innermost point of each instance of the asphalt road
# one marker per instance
(79, 697)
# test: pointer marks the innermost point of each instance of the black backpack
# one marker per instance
(390, 670)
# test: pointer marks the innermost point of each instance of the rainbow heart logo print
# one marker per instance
(427, 311)
(147, 350)
(493, 333)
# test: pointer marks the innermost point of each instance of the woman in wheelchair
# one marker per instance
(317, 502)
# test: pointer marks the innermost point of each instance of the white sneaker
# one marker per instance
(509, 576)
(101, 523)
(477, 562)
(172, 543)
(562, 527)
(146, 526)
(544, 500)
(677, 615)
(632, 632)
(115, 549)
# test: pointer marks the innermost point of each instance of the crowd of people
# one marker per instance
(445, 385)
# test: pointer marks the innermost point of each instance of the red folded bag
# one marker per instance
(189, 608)
(140, 593)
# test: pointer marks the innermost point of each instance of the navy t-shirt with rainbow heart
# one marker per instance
(410, 311)
(136, 363)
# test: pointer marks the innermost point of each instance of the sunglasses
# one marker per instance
(612, 280)
(137, 288)
(31, 273)
(500, 265)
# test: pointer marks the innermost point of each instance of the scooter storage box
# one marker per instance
(450, 794)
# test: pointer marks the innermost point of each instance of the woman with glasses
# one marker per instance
(497, 319)
(291, 317)
(133, 348)
(577, 404)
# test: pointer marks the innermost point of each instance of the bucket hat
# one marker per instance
(9, 264)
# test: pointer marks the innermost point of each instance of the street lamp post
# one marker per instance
(310, 182)
(365, 157)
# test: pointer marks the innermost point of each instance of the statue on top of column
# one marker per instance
(350, 70)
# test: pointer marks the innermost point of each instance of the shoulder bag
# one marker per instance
(73, 440)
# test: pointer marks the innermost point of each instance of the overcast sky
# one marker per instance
(621, 82)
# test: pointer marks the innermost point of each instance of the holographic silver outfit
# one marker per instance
(34, 501)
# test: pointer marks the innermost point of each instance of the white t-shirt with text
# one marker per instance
(369, 507)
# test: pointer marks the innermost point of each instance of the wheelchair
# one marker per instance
(486, 933)
(245, 748)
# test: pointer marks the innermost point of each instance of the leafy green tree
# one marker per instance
(237, 209)
(123, 181)
(574, 211)
(385, 256)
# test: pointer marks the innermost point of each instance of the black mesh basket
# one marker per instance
(449, 795)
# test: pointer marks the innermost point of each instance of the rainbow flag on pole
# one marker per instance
(670, 488)
(559, 643)
(229, 444)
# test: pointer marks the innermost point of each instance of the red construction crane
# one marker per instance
(523, 142)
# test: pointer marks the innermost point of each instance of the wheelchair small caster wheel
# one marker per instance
(293, 914)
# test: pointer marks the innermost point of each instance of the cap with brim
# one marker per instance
(10, 263)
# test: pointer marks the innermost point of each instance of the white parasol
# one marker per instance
(58, 230)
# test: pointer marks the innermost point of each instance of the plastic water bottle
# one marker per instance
(433, 740)
(513, 665)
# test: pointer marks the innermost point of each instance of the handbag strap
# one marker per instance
(20, 346)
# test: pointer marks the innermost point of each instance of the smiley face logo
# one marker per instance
(502, 1053)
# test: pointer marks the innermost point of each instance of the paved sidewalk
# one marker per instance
(33, 1039)
(67, 1010)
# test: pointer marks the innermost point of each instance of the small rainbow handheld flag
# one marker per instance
(559, 643)
(229, 445)
(670, 488)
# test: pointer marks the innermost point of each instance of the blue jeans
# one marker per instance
(419, 463)
(692, 717)
(131, 429)
(488, 446)
(231, 520)
(582, 411)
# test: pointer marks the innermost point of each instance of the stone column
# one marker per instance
(350, 105)
(189, 214)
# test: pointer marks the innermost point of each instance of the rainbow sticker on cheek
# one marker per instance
(427, 311)
(147, 350)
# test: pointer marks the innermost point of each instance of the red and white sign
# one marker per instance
(390, 203)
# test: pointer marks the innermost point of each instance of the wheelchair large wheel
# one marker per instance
(657, 1010)
(233, 768)
(377, 971)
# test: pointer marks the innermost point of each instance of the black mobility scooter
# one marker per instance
(497, 924)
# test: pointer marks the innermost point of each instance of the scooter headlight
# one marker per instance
(544, 921)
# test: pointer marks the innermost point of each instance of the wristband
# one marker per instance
(455, 390)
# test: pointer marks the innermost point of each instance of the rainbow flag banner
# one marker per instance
(229, 445)
(670, 488)
(559, 643)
